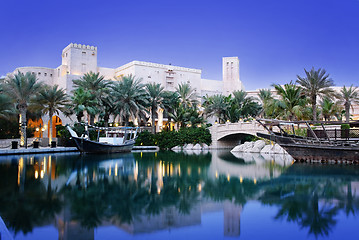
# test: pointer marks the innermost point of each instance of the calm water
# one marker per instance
(176, 196)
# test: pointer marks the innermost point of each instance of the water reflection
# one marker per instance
(147, 192)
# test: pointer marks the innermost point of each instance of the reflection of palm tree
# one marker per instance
(319, 221)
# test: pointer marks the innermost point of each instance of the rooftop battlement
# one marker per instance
(79, 46)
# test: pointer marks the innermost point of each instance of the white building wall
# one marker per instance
(45, 75)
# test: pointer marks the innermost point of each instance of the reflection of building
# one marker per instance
(232, 219)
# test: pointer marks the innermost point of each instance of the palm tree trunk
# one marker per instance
(23, 138)
(106, 118)
(153, 119)
(347, 112)
(50, 128)
(92, 119)
(314, 106)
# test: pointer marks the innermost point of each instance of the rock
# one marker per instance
(189, 146)
(267, 149)
(204, 146)
(176, 148)
(277, 149)
(258, 146)
(237, 149)
(197, 147)
(247, 146)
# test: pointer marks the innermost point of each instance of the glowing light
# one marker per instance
(116, 124)
(37, 129)
(42, 174)
(228, 177)
(179, 190)
(109, 171)
(199, 187)
(36, 174)
(216, 174)
(241, 179)
(255, 181)
(158, 191)
(116, 169)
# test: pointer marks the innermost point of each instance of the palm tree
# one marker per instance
(51, 100)
(217, 105)
(6, 106)
(131, 98)
(329, 108)
(155, 93)
(187, 95)
(82, 100)
(348, 96)
(170, 103)
(96, 85)
(315, 84)
(292, 100)
(265, 96)
(247, 106)
(108, 107)
(21, 88)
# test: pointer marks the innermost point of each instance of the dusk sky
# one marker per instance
(274, 40)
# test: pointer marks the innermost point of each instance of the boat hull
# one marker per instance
(301, 151)
(88, 146)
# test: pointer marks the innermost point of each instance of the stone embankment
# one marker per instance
(259, 146)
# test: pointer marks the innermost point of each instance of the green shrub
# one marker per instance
(301, 132)
(168, 140)
(345, 126)
(145, 138)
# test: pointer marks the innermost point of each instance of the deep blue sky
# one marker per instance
(274, 40)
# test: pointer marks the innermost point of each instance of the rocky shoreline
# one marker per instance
(259, 146)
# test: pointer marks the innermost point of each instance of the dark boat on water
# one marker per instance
(117, 140)
(325, 142)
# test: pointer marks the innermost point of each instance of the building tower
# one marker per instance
(79, 59)
(231, 80)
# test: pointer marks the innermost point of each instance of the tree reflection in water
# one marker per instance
(126, 188)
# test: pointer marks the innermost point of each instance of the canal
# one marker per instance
(167, 195)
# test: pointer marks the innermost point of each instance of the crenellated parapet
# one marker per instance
(79, 46)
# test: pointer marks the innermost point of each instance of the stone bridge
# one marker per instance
(229, 135)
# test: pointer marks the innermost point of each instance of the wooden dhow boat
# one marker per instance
(117, 140)
(324, 141)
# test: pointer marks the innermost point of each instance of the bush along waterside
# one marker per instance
(168, 140)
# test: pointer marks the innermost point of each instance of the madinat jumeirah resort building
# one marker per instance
(78, 59)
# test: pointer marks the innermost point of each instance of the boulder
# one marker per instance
(247, 146)
(278, 149)
(176, 148)
(189, 146)
(237, 148)
(258, 146)
(267, 149)
(204, 146)
(197, 147)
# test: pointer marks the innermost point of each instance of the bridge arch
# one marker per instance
(231, 134)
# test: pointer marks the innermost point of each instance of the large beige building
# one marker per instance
(78, 59)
